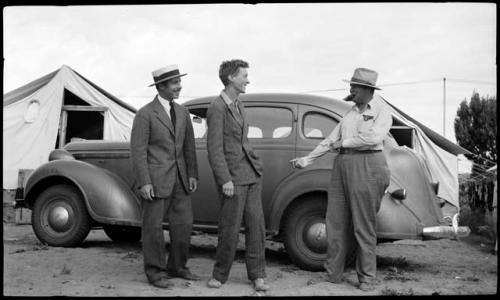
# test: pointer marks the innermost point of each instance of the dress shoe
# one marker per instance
(214, 283)
(260, 285)
(335, 281)
(186, 274)
(163, 283)
(189, 276)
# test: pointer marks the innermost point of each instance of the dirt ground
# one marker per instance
(101, 267)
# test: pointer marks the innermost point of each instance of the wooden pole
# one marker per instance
(444, 106)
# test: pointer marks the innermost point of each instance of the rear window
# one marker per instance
(269, 122)
(317, 125)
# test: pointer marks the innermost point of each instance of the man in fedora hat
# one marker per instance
(360, 176)
(164, 161)
(238, 174)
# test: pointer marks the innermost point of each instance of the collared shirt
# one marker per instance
(228, 101)
(166, 104)
(361, 130)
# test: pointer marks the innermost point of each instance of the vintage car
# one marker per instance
(91, 185)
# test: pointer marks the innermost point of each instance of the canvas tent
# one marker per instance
(47, 113)
(439, 155)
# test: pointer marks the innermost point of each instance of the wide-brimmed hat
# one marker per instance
(166, 73)
(366, 77)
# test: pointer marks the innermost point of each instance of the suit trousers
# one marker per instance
(358, 184)
(178, 209)
(246, 205)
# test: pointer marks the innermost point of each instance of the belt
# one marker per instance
(354, 151)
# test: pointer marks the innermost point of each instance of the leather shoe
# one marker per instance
(163, 283)
(186, 274)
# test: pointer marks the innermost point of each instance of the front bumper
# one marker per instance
(439, 232)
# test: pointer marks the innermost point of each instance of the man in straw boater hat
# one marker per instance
(238, 175)
(360, 176)
(164, 161)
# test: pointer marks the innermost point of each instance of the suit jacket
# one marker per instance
(229, 152)
(158, 151)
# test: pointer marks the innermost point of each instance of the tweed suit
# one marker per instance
(164, 155)
(233, 159)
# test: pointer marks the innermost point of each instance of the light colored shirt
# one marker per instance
(228, 101)
(166, 105)
(360, 130)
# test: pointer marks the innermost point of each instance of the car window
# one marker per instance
(269, 122)
(317, 126)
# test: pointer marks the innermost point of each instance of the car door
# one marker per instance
(315, 124)
(272, 136)
(205, 200)
(272, 133)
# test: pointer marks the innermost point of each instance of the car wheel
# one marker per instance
(123, 233)
(305, 235)
(60, 217)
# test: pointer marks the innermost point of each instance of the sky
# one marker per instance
(298, 48)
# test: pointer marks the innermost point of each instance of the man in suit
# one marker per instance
(360, 176)
(164, 161)
(238, 175)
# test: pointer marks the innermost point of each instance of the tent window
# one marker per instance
(79, 120)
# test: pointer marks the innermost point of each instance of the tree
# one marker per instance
(476, 128)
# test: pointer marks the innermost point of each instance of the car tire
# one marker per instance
(59, 216)
(305, 219)
(123, 233)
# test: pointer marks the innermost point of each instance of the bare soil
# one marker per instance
(101, 267)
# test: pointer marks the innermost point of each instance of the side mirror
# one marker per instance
(399, 194)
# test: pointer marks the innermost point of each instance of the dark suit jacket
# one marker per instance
(229, 153)
(158, 152)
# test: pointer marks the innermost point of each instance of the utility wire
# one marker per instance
(471, 81)
(410, 83)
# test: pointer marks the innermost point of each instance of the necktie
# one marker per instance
(172, 113)
(235, 103)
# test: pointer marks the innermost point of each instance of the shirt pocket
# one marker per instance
(365, 123)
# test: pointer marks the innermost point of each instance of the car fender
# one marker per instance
(299, 183)
(109, 200)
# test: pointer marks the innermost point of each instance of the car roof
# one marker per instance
(335, 105)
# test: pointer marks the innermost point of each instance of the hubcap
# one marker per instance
(315, 236)
(59, 218)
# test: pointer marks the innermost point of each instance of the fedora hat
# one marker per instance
(166, 73)
(366, 77)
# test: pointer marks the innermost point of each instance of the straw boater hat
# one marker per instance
(366, 77)
(166, 73)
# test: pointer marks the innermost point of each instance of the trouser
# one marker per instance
(358, 184)
(178, 209)
(246, 204)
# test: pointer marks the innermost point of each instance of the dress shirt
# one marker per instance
(228, 101)
(360, 130)
(166, 104)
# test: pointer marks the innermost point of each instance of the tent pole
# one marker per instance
(62, 128)
(444, 106)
